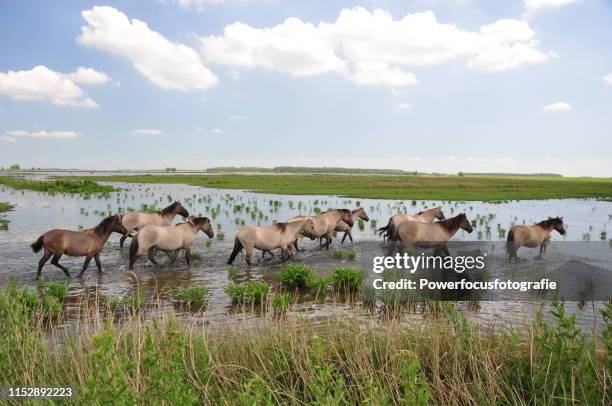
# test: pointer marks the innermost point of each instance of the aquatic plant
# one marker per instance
(248, 292)
(295, 276)
(338, 254)
(193, 295)
(347, 278)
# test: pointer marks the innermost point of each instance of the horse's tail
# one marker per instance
(510, 246)
(38, 244)
(133, 251)
(385, 229)
(235, 251)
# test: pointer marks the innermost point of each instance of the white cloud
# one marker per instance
(197, 5)
(402, 106)
(372, 48)
(147, 131)
(217, 131)
(88, 76)
(608, 79)
(166, 64)
(535, 5)
(559, 106)
(238, 117)
(41, 83)
(11, 136)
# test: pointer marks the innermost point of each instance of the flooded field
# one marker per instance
(586, 220)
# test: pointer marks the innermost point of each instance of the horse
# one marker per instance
(266, 239)
(425, 216)
(168, 239)
(358, 213)
(86, 244)
(324, 224)
(532, 236)
(433, 234)
(136, 219)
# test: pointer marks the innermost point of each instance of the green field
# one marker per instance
(405, 187)
(69, 185)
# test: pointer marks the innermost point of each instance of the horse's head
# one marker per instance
(438, 213)
(308, 228)
(202, 224)
(558, 225)
(464, 223)
(346, 216)
(179, 209)
(362, 214)
(117, 227)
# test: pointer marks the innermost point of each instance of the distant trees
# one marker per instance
(14, 167)
(170, 169)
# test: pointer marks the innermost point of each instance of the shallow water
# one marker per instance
(37, 212)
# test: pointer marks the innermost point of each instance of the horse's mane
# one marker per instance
(169, 209)
(201, 220)
(281, 226)
(452, 223)
(427, 210)
(339, 210)
(551, 222)
(356, 210)
(105, 225)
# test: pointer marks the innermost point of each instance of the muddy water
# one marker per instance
(229, 209)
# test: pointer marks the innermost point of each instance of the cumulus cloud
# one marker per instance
(166, 64)
(372, 48)
(147, 131)
(88, 76)
(12, 136)
(197, 5)
(608, 79)
(559, 106)
(536, 5)
(42, 83)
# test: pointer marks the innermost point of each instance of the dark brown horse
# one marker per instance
(86, 244)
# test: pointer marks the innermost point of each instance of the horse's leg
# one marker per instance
(542, 249)
(85, 265)
(55, 261)
(445, 250)
(328, 241)
(295, 244)
(151, 255)
(42, 262)
(249, 253)
(188, 255)
(98, 263)
(173, 256)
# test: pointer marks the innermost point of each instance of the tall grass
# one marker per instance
(444, 360)
(84, 186)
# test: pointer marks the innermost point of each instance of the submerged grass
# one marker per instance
(4, 207)
(444, 360)
(425, 187)
(81, 185)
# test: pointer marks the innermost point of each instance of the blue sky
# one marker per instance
(429, 85)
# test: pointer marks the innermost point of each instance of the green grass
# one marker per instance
(193, 295)
(80, 185)
(440, 360)
(295, 276)
(347, 278)
(486, 188)
(248, 292)
(4, 207)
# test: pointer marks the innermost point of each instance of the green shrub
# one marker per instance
(347, 278)
(281, 302)
(338, 254)
(318, 283)
(57, 290)
(248, 292)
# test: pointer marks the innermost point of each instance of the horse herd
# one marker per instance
(155, 232)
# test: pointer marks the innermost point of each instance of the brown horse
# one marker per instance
(324, 224)
(86, 244)
(426, 216)
(433, 234)
(134, 220)
(532, 236)
(169, 239)
(358, 213)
